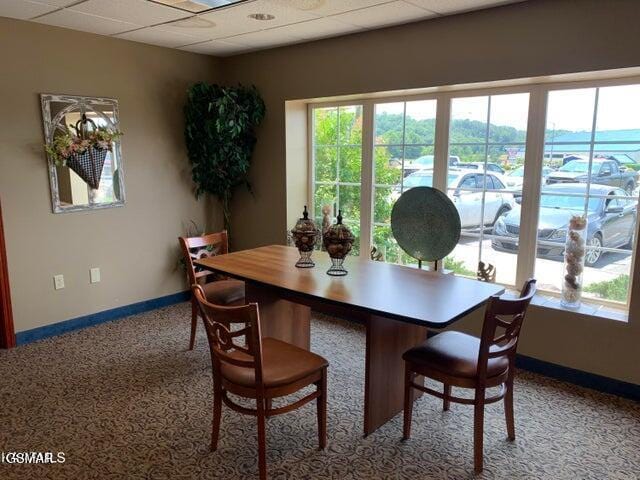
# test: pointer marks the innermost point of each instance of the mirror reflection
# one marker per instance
(83, 150)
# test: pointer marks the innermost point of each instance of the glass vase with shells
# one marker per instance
(575, 250)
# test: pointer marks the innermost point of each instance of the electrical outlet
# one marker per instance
(94, 275)
(58, 282)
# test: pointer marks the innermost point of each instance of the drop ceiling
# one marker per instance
(229, 27)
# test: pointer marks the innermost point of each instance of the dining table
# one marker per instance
(397, 304)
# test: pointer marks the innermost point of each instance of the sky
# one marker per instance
(618, 109)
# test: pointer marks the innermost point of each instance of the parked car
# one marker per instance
(611, 222)
(425, 162)
(603, 172)
(624, 161)
(468, 203)
(514, 179)
(491, 167)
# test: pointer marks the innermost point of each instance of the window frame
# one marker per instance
(534, 145)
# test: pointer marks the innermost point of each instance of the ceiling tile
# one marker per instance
(329, 7)
(85, 23)
(264, 38)
(197, 27)
(159, 35)
(234, 20)
(140, 12)
(215, 47)
(319, 28)
(457, 6)
(23, 9)
(383, 15)
(57, 3)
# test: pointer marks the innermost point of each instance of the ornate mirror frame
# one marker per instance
(84, 106)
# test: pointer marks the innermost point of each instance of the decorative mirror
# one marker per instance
(83, 152)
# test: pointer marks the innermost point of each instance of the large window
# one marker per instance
(592, 145)
(403, 158)
(516, 162)
(486, 144)
(337, 160)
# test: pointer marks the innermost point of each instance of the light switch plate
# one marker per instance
(94, 275)
(58, 282)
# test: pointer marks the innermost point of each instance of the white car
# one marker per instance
(515, 178)
(469, 203)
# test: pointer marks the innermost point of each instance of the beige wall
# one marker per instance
(135, 246)
(535, 38)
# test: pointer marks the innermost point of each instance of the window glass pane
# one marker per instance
(420, 122)
(421, 178)
(350, 123)
(383, 200)
(509, 115)
(611, 280)
(464, 258)
(325, 126)
(387, 169)
(468, 156)
(324, 195)
(349, 203)
(618, 109)
(468, 120)
(570, 115)
(418, 160)
(350, 164)
(325, 163)
(389, 123)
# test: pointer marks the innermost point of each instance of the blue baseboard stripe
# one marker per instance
(59, 328)
(579, 377)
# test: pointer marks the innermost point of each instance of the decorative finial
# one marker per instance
(305, 213)
(339, 217)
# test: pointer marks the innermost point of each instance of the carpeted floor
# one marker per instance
(126, 400)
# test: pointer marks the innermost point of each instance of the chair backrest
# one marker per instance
(195, 248)
(502, 324)
(224, 340)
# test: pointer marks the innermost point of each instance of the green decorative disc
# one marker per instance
(425, 223)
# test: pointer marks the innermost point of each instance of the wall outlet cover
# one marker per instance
(58, 282)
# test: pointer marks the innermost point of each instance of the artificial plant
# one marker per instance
(220, 135)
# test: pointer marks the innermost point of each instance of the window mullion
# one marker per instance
(366, 180)
(441, 149)
(532, 183)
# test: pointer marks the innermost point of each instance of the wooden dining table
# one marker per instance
(397, 304)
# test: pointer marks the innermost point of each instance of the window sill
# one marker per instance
(591, 309)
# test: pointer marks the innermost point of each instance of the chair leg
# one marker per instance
(321, 403)
(194, 324)
(445, 401)
(408, 401)
(262, 440)
(478, 430)
(508, 410)
(217, 414)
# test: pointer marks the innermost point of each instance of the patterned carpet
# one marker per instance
(126, 400)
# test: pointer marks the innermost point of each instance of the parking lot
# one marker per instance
(549, 272)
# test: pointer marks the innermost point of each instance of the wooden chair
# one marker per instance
(258, 368)
(220, 292)
(461, 360)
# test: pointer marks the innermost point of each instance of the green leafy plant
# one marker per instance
(67, 144)
(616, 289)
(219, 130)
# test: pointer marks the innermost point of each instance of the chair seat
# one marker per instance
(224, 292)
(454, 353)
(282, 364)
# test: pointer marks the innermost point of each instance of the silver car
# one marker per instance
(469, 203)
